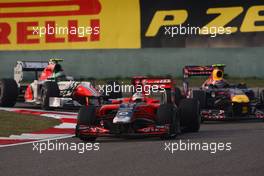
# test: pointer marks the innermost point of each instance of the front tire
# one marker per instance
(167, 114)
(87, 117)
(49, 89)
(8, 92)
(189, 111)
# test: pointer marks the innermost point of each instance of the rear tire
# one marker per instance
(167, 114)
(190, 115)
(49, 89)
(86, 116)
(8, 92)
(262, 97)
(166, 97)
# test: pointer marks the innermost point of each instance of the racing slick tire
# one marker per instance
(189, 112)
(49, 89)
(177, 96)
(200, 95)
(8, 92)
(262, 97)
(167, 114)
(86, 116)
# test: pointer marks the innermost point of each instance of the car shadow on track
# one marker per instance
(209, 131)
(225, 122)
(125, 140)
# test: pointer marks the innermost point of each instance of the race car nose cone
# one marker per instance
(123, 119)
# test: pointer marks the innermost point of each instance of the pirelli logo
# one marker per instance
(68, 24)
(21, 23)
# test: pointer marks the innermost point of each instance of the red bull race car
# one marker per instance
(154, 114)
(220, 100)
(50, 89)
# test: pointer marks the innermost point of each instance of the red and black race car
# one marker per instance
(50, 89)
(156, 114)
(220, 100)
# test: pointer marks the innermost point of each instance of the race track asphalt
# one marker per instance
(121, 157)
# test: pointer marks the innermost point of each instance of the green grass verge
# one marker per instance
(14, 123)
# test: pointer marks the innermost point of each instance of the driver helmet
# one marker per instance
(138, 97)
(217, 75)
(217, 78)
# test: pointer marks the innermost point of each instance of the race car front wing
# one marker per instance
(221, 115)
(100, 131)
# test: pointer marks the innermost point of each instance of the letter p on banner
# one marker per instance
(176, 17)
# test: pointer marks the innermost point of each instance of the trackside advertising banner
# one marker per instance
(69, 24)
(202, 23)
(109, 24)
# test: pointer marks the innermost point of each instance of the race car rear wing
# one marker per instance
(28, 66)
(165, 83)
(151, 85)
(195, 70)
(189, 71)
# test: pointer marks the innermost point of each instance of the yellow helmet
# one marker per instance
(217, 74)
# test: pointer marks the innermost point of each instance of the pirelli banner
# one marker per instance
(202, 23)
(109, 24)
(69, 24)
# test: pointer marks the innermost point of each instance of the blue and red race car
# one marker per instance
(220, 100)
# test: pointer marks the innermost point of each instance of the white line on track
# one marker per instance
(66, 126)
(31, 142)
